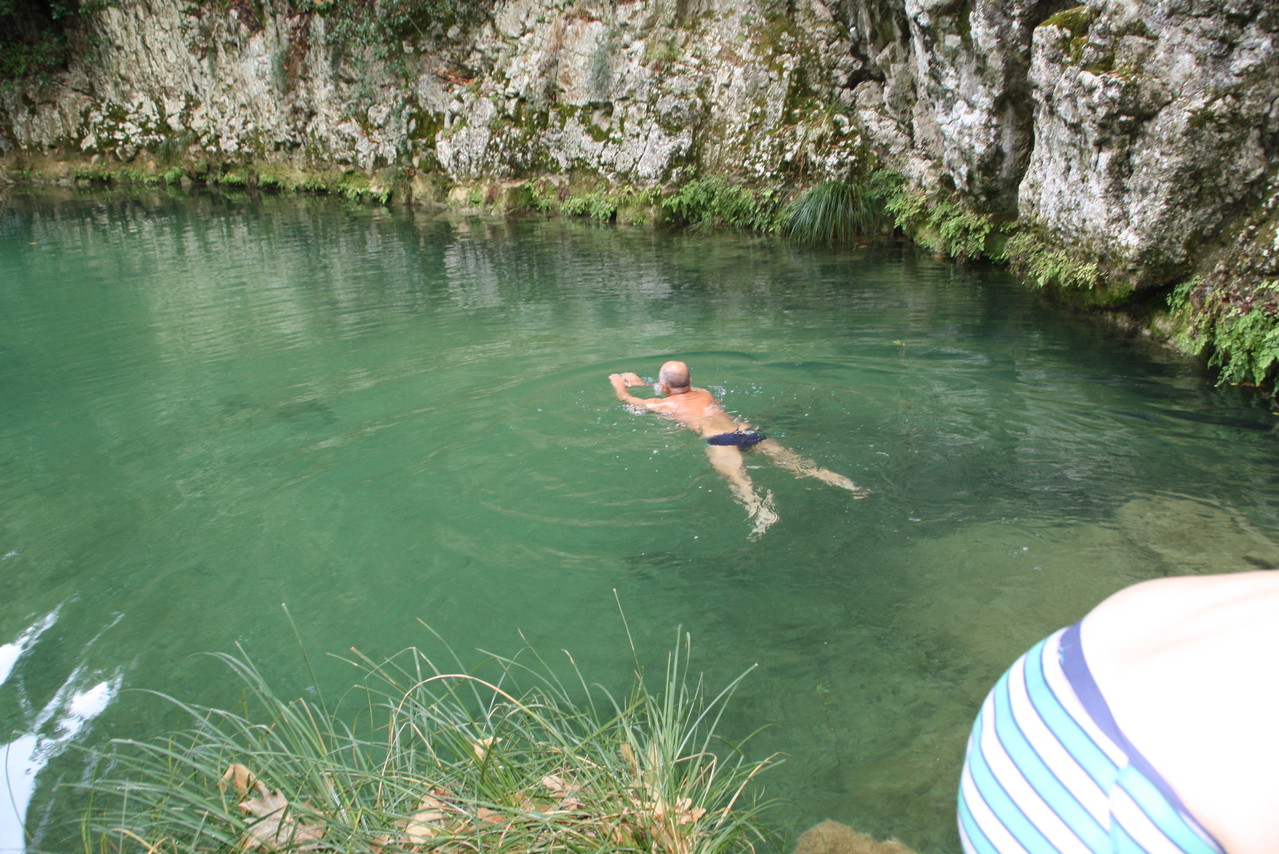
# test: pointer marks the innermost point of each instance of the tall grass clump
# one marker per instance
(842, 211)
(431, 758)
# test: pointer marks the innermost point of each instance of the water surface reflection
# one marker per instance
(215, 406)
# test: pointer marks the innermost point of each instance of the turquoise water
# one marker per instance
(214, 407)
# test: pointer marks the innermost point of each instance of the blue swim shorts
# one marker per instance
(741, 438)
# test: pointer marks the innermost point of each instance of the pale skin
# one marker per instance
(1188, 668)
(698, 410)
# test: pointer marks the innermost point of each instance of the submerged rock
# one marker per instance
(831, 837)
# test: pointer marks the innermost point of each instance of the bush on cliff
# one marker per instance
(36, 35)
(384, 26)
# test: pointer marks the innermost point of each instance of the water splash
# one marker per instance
(45, 733)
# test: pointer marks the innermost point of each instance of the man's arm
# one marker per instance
(623, 381)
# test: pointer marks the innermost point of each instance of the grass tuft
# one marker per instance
(841, 211)
(440, 759)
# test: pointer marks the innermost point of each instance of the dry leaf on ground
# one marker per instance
(482, 746)
(238, 777)
(274, 829)
(565, 790)
(432, 817)
(687, 813)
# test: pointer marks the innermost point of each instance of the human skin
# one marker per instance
(1187, 666)
(698, 410)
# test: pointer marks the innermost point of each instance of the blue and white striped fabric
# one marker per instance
(1048, 770)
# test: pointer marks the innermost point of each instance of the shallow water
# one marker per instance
(214, 407)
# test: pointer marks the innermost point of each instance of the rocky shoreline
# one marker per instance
(1120, 154)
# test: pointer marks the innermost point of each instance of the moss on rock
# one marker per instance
(1076, 21)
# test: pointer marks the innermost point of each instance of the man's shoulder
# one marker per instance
(664, 404)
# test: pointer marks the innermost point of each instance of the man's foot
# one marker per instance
(762, 517)
(857, 491)
(842, 482)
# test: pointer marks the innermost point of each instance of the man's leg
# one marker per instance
(807, 468)
(727, 460)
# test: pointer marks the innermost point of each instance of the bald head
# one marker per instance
(676, 375)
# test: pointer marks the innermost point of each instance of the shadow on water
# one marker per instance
(381, 417)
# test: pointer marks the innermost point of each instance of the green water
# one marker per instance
(211, 407)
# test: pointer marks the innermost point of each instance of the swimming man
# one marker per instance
(698, 410)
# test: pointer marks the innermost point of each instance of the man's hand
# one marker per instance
(627, 379)
(621, 382)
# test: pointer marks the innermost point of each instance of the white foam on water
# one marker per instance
(49, 732)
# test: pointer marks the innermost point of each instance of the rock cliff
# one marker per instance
(1139, 136)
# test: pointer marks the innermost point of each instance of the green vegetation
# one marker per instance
(36, 35)
(709, 202)
(702, 203)
(831, 212)
(506, 758)
(385, 26)
(541, 196)
(601, 205)
(946, 226)
(610, 203)
(1075, 21)
(840, 211)
(1242, 341)
(1048, 267)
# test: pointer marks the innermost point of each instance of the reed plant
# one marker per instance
(843, 211)
(435, 758)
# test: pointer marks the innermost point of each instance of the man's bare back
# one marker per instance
(698, 410)
(695, 408)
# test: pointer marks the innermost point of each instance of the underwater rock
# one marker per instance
(831, 837)
(1195, 536)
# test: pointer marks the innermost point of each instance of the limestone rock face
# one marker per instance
(647, 92)
(1156, 126)
(1128, 131)
(640, 92)
(946, 92)
(220, 82)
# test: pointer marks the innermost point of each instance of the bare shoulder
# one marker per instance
(704, 398)
(1188, 607)
(1185, 665)
(664, 405)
